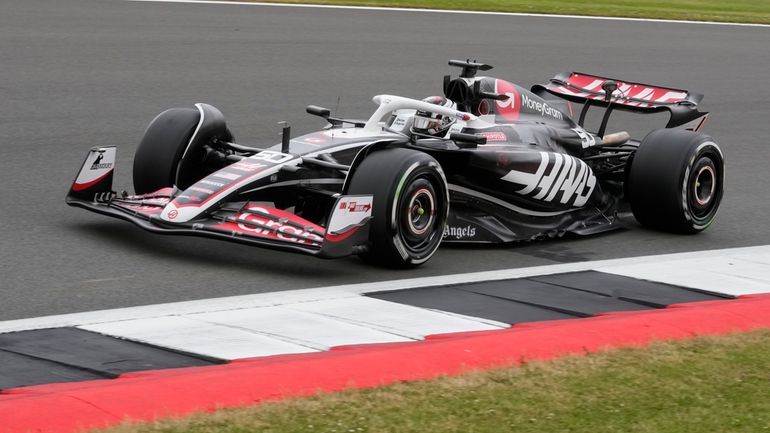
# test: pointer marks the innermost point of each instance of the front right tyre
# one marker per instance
(410, 207)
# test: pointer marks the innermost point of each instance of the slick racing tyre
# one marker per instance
(410, 208)
(172, 151)
(676, 180)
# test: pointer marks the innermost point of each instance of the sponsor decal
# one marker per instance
(314, 140)
(97, 168)
(494, 136)
(160, 201)
(456, 127)
(540, 107)
(203, 190)
(355, 207)
(271, 157)
(212, 183)
(152, 201)
(273, 228)
(401, 120)
(145, 209)
(228, 176)
(557, 175)
(173, 214)
(458, 233)
(351, 212)
(246, 166)
(97, 164)
(190, 198)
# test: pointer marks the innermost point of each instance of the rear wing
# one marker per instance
(636, 97)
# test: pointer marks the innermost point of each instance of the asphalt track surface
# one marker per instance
(81, 73)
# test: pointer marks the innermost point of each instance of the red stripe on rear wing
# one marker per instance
(644, 98)
(579, 86)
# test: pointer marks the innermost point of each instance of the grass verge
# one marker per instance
(708, 384)
(740, 11)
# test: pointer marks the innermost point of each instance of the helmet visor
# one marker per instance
(426, 123)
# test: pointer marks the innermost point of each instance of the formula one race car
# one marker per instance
(488, 162)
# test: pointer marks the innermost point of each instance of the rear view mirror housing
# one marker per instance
(318, 111)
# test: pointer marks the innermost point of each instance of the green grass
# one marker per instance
(713, 384)
(743, 11)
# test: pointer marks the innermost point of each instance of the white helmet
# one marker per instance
(433, 123)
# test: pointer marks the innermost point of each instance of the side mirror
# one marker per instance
(479, 94)
(318, 111)
(473, 139)
(609, 88)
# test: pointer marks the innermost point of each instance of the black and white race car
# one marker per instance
(488, 162)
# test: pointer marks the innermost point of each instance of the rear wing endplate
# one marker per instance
(629, 96)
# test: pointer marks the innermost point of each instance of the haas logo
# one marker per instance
(510, 108)
(568, 178)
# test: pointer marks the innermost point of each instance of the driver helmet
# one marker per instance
(433, 123)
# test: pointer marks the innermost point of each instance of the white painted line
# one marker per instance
(269, 331)
(755, 257)
(411, 322)
(234, 303)
(451, 11)
(298, 327)
(194, 336)
(176, 308)
(732, 275)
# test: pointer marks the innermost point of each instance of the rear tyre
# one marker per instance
(675, 181)
(410, 207)
(172, 151)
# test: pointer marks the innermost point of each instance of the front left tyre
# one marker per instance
(173, 149)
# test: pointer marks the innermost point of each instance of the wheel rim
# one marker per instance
(703, 188)
(422, 212)
(704, 185)
(417, 217)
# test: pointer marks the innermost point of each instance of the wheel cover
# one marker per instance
(417, 217)
(422, 212)
(703, 188)
(704, 185)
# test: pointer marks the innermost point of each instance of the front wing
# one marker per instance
(252, 223)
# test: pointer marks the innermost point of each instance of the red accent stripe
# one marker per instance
(339, 237)
(69, 407)
(84, 186)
